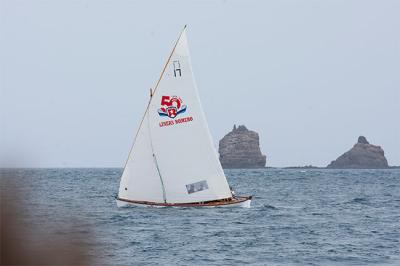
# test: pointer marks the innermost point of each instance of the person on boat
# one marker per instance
(232, 191)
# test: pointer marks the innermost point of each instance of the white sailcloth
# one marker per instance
(173, 159)
(140, 179)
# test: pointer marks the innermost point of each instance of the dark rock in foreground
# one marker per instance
(240, 148)
(362, 156)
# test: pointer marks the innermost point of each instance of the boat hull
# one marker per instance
(239, 201)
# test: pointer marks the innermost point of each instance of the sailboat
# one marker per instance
(172, 161)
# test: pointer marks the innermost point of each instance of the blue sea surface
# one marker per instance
(298, 217)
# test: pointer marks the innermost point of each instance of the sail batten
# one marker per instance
(184, 165)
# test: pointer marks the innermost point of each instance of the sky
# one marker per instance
(308, 76)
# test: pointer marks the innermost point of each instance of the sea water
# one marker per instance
(298, 217)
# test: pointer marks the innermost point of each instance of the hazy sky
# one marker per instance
(308, 76)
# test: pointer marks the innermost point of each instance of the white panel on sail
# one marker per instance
(140, 180)
(186, 158)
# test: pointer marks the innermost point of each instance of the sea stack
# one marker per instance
(240, 148)
(362, 156)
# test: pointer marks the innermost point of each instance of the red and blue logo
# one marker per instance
(171, 106)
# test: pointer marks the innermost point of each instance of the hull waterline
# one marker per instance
(243, 202)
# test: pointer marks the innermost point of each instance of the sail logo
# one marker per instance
(171, 106)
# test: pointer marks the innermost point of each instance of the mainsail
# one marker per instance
(173, 159)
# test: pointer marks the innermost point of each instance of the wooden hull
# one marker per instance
(238, 201)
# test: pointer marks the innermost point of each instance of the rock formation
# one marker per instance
(363, 155)
(240, 148)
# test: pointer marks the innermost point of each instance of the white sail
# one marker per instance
(173, 160)
(140, 179)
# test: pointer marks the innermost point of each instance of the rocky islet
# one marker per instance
(240, 148)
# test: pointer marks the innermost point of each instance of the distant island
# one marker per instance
(362, 155)
(303, 167)
(240, 148)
